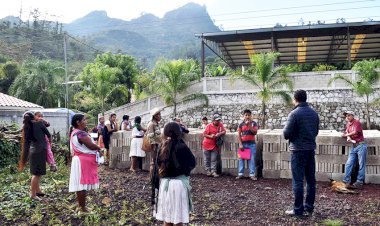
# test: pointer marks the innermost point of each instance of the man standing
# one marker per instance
(246, 135)
(354, 134)
(301, 130)
(153, 132)
(210, 147)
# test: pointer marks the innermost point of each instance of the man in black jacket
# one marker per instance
(301, 130)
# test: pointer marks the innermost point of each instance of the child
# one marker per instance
(38, 116)
(204, 123)
(246, 136)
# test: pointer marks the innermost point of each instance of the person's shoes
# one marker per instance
(40, 194)
(308, 213)
(292, 213)
(253, 178)
(209, 174)
(239, 177)
(214, 174)
(53, 168)
(357, 185)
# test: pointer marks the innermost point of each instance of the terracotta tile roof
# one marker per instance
(9, 101)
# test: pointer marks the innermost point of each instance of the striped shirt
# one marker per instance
(246, 133)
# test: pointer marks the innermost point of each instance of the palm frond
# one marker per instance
(340, 77)
(285, 95)
(197, 96)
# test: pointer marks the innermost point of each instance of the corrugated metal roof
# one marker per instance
(324, 43)
(7, 101)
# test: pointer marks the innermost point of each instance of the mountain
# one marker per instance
(147, 36)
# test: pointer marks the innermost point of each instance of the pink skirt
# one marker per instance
(84, 173)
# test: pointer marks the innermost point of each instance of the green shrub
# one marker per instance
(324, 67)
(10, 152)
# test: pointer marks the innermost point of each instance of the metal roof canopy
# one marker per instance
(322, 43)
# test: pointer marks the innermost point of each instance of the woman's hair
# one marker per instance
(125, 117)
(172, 132)
(138, 119)
(26, 137)
(137, 123)
(76, 117)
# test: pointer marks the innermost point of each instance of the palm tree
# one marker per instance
(268, 79)
(363, 86)
(39, 83)
(173, 77)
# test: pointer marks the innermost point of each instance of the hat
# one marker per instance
(348, 113)
(216, 117)
(155, 111)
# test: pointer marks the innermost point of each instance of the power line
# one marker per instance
(292, 23)
(293, 7)
(192, 20)
(85, 44)
(287, 14)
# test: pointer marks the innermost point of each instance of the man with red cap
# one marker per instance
(354, 134)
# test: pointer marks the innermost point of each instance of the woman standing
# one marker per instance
(136, 153)
(109, 127)
(175, 162)
(84, 168)
(34, 146)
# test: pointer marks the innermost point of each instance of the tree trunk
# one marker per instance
(368, 120)
(263, 113)
(175, 109)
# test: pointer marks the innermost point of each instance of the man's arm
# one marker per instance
(289, 127)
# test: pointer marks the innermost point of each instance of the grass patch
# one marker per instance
(330, 222)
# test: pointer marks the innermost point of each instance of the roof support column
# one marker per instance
(203, 58)
(348, 47)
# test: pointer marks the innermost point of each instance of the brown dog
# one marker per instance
(340, 187)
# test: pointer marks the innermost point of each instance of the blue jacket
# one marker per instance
(302, 128)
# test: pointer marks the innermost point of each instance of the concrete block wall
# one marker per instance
(272, 156)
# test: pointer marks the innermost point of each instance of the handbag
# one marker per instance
(146, 146)
(244, 154)
(219, 140)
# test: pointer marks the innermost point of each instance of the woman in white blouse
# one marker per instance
(136, 153)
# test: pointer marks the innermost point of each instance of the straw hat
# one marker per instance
(155, 111)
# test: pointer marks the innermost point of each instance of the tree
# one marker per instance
(107, 82)
(364, 85)
(172, 78)
(8, 73)
(128, 70)
(40, 82)
(268, 80)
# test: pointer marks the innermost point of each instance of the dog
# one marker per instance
(341, 187)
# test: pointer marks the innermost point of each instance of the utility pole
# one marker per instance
(67, 86)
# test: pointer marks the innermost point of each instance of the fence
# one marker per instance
(272, 156)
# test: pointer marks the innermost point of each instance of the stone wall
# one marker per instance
(230, 98)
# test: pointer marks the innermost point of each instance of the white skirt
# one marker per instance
(173, 204)
(136, 144)
(75, 175)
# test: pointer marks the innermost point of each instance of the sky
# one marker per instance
(227, 14)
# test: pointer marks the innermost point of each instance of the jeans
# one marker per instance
(209, 158)
(251, 162)
(358, 152)
(303, 166)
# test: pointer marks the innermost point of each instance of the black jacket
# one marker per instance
(302, 128)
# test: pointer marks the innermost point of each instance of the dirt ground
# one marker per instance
(124, 199)
(227, 201)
